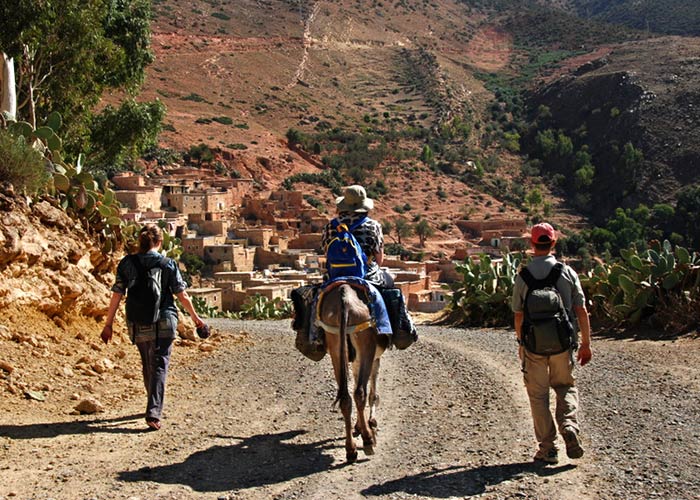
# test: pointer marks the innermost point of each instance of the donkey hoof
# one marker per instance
(372, 423)
(368, 450)
(351, 456)
(356, 430)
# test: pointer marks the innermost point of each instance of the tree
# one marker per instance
(121, 135)
(402, 229)
(8, 96)
(426, 155)
(423, 230)
(68, 52)
(688, 212)
(629, 164)
(200, 153)
(534, 198)
(387, 227)
(294, 137)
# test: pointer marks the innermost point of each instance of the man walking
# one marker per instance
(549, 362)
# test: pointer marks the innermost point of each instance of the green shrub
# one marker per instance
(259, 307)
(483, 295)
(660, 283)
(193, 97)
(21, 165)
(203, 309)
(224, 120)
(221, 15)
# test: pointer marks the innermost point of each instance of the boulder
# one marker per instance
(89, 406)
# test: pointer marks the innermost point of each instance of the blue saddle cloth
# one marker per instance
(377, 308)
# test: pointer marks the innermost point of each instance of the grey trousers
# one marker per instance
(155, 358)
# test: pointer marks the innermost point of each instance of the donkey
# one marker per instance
(346, 321)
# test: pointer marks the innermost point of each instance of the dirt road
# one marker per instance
(253, 419)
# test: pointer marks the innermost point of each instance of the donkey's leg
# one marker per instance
(373, 396)
(366, 348)
(343, 398)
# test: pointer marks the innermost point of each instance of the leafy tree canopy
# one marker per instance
(68, 52)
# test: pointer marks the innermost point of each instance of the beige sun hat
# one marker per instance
(354, 199)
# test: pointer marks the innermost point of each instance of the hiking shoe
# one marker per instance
(550, 456)
(573, 443)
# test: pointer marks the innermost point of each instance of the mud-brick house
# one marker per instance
(234, 298)
(243, 258)
(197, 202)
(229, 257)
(230, 291)
(268, 258)
(307, 241)
(210, 223)
(237, 188)
(428, 301)
(133, 192)
(128, 181)
(211, 296)
(258, 209)
(242, 277)
(216, 254)
(196, 244)
(413, 284)
(288, 200)
(409, 266)
(256, 236)
(271, 291)
(312, 222)
(504, 238)
(474, 228)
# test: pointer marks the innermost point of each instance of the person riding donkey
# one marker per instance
(353, 208)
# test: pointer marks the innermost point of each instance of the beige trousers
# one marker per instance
(557, 372)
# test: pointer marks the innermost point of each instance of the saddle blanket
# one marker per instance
(377, 308)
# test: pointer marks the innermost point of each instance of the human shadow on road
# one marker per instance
(460, 481)
(254, 461)
(53, 429)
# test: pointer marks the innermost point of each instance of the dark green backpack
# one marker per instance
(547, 328)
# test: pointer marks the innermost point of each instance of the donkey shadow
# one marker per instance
(460, 481)
(254, 461)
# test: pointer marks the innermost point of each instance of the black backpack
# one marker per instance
(547, 328)
(143, 297)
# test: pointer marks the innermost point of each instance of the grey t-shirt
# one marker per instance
(569, 285)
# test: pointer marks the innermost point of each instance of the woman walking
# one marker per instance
(150, 281)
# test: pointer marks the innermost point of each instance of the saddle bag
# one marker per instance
(303, 299)
(402, 337)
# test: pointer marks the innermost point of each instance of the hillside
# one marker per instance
(359, 80)
(627, 97)
(672, 17)
(238, 76)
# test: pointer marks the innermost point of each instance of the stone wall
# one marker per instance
(142, 200)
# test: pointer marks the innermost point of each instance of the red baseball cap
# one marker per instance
(543, 233)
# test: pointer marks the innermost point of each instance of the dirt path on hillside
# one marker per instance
(253, 419)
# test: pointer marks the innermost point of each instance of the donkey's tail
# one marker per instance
(343, 343)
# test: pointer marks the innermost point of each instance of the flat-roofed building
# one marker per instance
(211, 296)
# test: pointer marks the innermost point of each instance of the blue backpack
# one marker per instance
(344, 256)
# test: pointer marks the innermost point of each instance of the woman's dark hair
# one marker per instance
(149, 237)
